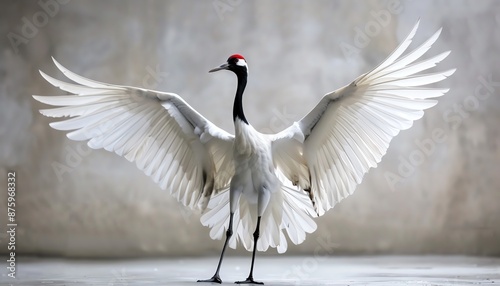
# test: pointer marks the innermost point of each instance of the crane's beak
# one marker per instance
(222, 67)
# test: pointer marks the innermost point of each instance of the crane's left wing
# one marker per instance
(169, 141)
(328, 151)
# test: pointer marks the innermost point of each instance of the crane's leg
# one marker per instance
(250, 280)
(234, 197)
(229, 233)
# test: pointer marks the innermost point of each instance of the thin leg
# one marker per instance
(229, 233)
(250, 280)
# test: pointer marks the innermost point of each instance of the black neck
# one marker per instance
(238, 100)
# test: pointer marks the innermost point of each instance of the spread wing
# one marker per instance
(328, 151)
(179, 149)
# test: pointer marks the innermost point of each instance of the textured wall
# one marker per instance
(77, 202)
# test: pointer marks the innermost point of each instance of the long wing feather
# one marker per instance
(350, 129)
(173, 144)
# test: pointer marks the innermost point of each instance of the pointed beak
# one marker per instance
(222, 67)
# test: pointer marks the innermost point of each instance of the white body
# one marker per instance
(254, 175)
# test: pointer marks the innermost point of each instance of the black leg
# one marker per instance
(229, 233)
(250, 280)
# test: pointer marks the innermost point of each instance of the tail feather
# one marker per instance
(289, 211)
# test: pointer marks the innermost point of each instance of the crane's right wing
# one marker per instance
(181, 150)
(328, 151)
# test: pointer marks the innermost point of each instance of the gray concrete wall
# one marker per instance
(446, 201)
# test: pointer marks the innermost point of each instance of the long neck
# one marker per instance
(238, 100)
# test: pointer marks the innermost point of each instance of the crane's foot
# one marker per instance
(214, 279)
(249, 281)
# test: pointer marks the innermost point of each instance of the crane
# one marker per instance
(250, 186)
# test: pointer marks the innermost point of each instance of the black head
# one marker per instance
(235, 63)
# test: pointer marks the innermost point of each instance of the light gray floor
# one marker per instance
(313, 270)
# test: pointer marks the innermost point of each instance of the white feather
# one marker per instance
(349, 131)
(155, 130)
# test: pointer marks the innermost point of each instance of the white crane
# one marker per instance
(268, 184)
